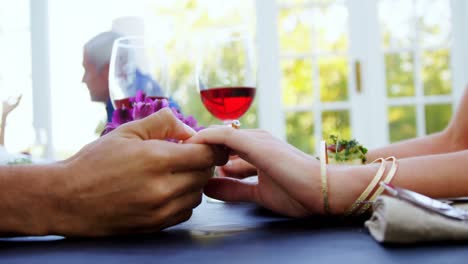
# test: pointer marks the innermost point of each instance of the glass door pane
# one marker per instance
(402, 122)
(400, 79)
(416, 36)
(315, 72)
(298, 130)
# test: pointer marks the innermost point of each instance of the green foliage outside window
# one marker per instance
(300, 130)
(336, 123)
(333, 79)
(402, 122)
(436, 72)
(400, 69)
(294, 30)
(297, 82)
(437, 117)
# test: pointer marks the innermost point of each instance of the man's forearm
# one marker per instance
(25, 204)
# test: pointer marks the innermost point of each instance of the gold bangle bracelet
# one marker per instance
(323, 177)
(362, 198)
(380, 190)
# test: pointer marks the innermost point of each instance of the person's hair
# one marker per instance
(98, 49)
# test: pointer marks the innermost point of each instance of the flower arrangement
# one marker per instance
(143, 106)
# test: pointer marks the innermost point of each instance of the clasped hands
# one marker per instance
(135, 181)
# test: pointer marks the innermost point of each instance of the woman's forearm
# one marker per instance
(433, 144)
(26, 199)
(442, 175)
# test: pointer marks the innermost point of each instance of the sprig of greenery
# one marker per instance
(347, 149)
(20, 161)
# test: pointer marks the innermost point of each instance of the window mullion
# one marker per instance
(40, 72)
(459, 52)
(269, 73)
(369, 115)
(317, 104)
(418, 82)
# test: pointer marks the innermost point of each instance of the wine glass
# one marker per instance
(136, 64)
(226, 75)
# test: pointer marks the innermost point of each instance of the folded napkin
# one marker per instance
(397, 221)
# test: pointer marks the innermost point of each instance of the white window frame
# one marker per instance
(458, 81)
(270, 113)
(459, 54)
(40, 74)
(369, 117)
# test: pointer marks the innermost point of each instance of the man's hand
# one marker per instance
(133, 180)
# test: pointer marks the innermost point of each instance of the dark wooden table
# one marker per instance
(233, 233)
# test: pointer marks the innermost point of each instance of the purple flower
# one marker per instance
(119, 117)
(192, 122)
(122, 116)
(109, 127)
(143, 106)
(140, 97)
(142, 110)
(161, 103)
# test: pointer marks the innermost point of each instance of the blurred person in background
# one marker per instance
(96, 57)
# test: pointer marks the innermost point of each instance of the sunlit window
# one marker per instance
(416, 39)
(314, 40)
(15, 72)
(409, 68)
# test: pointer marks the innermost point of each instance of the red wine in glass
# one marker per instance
(228, 103)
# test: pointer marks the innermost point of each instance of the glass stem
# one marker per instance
(228, 122)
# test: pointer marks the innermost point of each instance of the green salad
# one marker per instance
(345, 151)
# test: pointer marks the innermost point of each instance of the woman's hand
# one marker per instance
(288, 179)
(236, 168)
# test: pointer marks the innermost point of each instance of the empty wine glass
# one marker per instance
(137, 64)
